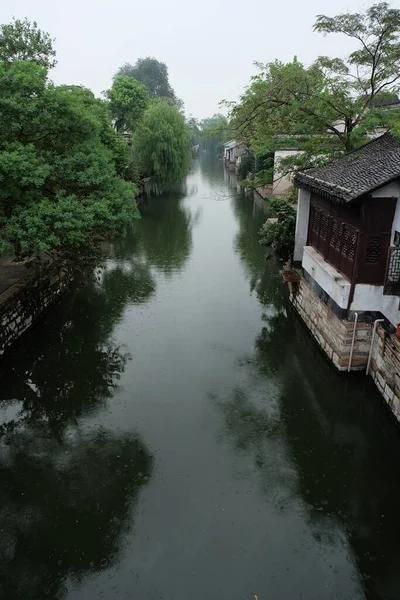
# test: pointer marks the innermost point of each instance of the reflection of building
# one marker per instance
(348, 244)
(231, 179)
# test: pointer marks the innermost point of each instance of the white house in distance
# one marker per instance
(233, 151)
(348, 245)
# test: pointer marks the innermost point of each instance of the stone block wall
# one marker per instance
(24, 303)
(333, 335)
(385, 369)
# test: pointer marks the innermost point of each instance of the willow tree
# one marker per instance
(335, 104)
(162, 143)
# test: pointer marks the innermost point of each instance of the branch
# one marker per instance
(380, 88)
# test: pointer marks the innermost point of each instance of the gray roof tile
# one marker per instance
(359, 172)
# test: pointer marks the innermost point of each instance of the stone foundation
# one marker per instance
(385, 369)
(333, 335)
(24, 303)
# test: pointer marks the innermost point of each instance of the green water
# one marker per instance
(172, 432)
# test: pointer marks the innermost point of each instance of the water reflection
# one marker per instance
(344, 467)
(211, 168)
(65, 504)
(277, 476)
(321, 444)
(68, 493)
(163, 237)
(53, 385)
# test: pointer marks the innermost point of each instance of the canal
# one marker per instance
(172, 432)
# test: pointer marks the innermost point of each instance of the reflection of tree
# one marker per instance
(312, 435)
(74, 365)
(346, 453)
(164, 236)
(66, 495)
(261, 273)
(211, 167)
(64, 505)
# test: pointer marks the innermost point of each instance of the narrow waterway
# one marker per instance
(171, 431)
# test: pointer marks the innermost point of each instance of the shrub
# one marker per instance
(279, 234)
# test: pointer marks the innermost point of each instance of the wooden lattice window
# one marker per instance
(336, 234)
(374, 250)
(392, 279)
(349, 242)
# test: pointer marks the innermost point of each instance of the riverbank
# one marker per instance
(24, 298)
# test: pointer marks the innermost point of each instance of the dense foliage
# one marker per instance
(128, 101)
(154, 75)
(162, 143)
(333, 105)
(62, 165)
(213, 133)
(279, 234)
(22, 40)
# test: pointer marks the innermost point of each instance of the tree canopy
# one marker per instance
(154, 75)
(23, 40)
(333, 105)
(61, 167)
(213, 133)
(162, 143)
(128, 101)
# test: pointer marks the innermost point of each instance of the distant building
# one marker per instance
(348, 245)
(233, 151)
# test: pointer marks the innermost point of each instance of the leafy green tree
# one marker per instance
(154, 75)
(61, 168)
(214, 133)
(195, 133)
(23, 40)
(332, 106)
(162, 143)
(128, 101)
(279, 234)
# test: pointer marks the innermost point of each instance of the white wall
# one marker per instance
(391, 190)
(366, 297)
(303, 215)
(329, 278)
(282, 183)
(370, 297)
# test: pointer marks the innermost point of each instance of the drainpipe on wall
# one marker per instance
(372, 343)
(353, 340)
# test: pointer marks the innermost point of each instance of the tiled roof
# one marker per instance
(359, 172)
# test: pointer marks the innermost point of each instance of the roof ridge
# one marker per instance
(356, 173)
(373, 141)
(334, 162)
(328, 183)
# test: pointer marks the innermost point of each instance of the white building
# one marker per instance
(348, 245)
(233, 150)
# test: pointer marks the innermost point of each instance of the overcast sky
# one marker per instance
(209, 45)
